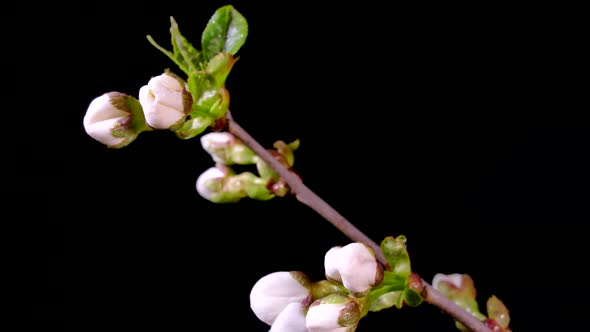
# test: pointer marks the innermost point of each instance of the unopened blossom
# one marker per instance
(209, 183)
(114, 119)
(225, 148)
(165, 101)
(356, 266)
(460, 289)
(333, 313)
(275, 291)
(219, 184)
(290, 319)
(454, 280)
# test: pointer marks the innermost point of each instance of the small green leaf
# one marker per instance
(294, 145)
(220, 66)
(208, 99)
(184, 51)
(179, 62)
(394, 280)
(194, 127)
(385, 299)
(183, 54)
(255, 187)
(226, 32)
(396, 253)
(217, 103)
(199, 83)
(412, 298)
(498, 311)
(265, 171)
(388, 293)
(324, 288)
(285, 150)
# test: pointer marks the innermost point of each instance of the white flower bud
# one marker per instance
(455, 279)
(333, 313)
(273, 292)
(291, 319)
(226, 149)
(216, 140)
(220, 184)
(355, 265)
(109, 119)
(206, 182)
(165, 101)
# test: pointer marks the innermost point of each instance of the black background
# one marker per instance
(462, 128)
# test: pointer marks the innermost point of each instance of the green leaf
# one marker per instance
(183, 54)
(294, 145)
(178, 61)
(388, 293)
(384, 299)
(324, 288)
(255, 187)
(194, 127)
(220, 66)
(396, 254)
(265, 171)
(285, 150)
(412, 298)
(208, 99)
(200, 84)
(498, 311)
(394, 280)
(183, 49)
(226, 32)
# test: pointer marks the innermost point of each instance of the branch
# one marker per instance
(309, 198)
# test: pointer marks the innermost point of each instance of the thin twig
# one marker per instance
(309, 198)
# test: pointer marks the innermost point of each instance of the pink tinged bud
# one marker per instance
(333, 313)
(273, 292)
(109, 120)
(163, 101)
(291, 319)
(357, 267)
(460, 289)
(455, 280)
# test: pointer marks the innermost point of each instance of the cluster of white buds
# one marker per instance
(115, 119)
(220, 184)
(290, 302)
